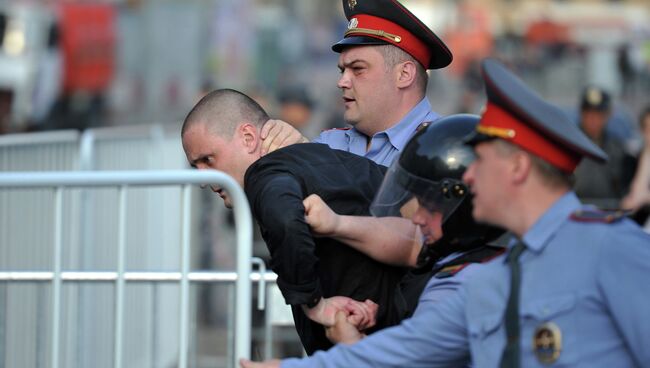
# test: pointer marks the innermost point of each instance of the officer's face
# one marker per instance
(593, 122)
(487, 178)
(367, 87)
(430, 224)
(208, 151)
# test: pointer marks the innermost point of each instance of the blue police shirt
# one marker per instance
(583, 283)
(385, 145)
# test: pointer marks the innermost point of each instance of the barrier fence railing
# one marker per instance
(124, 180)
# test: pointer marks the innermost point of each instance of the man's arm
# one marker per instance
(276, 202)
(391, 240)
(435, 337)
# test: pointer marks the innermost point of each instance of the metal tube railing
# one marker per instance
(160, 276)
(56, 279)
(124, 179)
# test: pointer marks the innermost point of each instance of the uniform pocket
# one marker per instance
(548, 330)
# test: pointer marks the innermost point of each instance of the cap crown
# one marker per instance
(517, 114)
(377, 22)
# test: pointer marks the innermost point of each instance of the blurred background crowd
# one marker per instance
(87, 64)
(79, 64)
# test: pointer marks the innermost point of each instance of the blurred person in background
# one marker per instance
(601, 183)
(424, 184)
(297, 108)
(385, 53)
(638, 199)
(317, 276)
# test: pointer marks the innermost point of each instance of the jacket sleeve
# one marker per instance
(276, 201)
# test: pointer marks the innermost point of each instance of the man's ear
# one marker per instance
(250, 136)
(522, 164)
(406, 73)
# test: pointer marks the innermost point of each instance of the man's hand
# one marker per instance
(277, 134)
(244, 363)
(362, 314)
(320, 218)
(343, 330)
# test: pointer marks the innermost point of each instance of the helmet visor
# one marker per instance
(401, 192)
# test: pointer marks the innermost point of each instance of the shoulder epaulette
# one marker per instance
(330, 129)
(478, 255)
(423, 125)
(597, 215)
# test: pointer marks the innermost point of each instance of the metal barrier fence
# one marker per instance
(61, 182)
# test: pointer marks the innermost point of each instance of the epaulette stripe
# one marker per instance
(453, 267)
(450, 271)
(598, 216)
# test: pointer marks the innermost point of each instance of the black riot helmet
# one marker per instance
(430, 169)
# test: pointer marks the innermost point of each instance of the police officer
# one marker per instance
(384, 55)
(427, 178)
(572, 289)
(601, 184)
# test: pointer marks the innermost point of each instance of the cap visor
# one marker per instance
(474, 138)
(356, 41)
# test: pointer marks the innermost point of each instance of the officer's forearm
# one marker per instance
(391, 240)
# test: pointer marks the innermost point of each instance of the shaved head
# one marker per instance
(223, 110)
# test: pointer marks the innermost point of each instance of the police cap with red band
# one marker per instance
(383, 22)
(517, 114)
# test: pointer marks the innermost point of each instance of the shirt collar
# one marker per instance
(399, 134)
(548, 224)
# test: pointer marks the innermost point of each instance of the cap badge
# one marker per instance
(352, 4)
(594, 97)
(353, 23)
(493, 131)
(547, 343)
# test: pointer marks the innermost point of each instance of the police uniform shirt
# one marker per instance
(309, 267)
(584, 294)
(583, 302)
(386, 145)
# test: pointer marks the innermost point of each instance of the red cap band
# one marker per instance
(527, 138)
(385, 30)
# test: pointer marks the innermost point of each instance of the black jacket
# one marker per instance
(309, 267)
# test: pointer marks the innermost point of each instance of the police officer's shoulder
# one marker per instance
(482, 254)
(595, 215)
(333, 133)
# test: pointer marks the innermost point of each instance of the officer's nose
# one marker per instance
(344, 81)
(418, 217)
